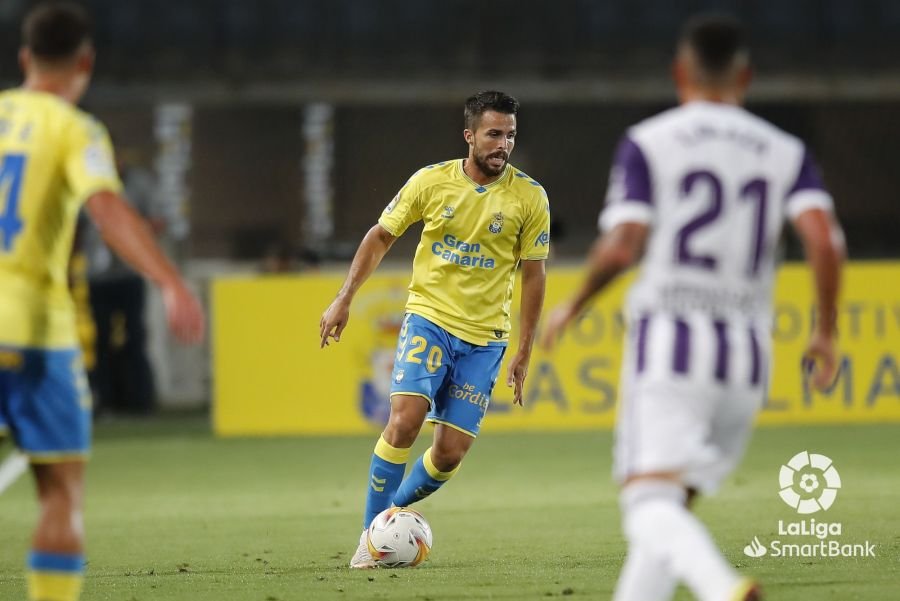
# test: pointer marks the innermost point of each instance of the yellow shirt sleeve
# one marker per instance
(89, 163)
(535, 240)
(404, 210)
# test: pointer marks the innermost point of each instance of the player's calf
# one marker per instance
(423, 479)
(656, 521)
(56, 562)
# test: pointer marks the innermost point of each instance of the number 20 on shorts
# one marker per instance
(415, 347)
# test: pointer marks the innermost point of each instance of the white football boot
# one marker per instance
(362, 559)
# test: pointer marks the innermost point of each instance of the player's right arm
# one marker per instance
(130, 237)
(612, 254)
(626, 222)
(401, 212)
(371, 251)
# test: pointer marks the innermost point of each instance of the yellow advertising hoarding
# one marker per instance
(271, 377)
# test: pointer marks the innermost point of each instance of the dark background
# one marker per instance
(397, 73)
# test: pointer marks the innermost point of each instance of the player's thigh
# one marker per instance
(423, 359)
(662, 427)
(697, 432)
(729, 432)
(48, 406)
(463, 403)
(61, 482)
(450, 446)
(405, 421)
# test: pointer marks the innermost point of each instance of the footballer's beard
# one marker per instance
(491, 164)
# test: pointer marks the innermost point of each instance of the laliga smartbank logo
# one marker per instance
(809, 483)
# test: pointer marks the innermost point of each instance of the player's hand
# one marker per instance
(184, 312)
(559, 318)
(333, 321)
(516, 373)
(821, 359)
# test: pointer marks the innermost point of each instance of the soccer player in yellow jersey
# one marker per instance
(482, 218)
(54, 159)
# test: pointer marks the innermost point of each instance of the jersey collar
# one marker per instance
(478, 187)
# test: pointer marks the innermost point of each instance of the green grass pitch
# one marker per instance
(174, 513)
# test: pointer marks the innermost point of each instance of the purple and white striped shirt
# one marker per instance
(716, 185)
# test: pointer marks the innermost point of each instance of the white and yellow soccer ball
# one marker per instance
(399, 537)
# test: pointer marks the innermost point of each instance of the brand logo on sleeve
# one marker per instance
(543, 239)
(97, 161)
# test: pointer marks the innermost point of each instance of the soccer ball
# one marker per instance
(399, 537)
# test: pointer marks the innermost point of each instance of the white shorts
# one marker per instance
(690, 389)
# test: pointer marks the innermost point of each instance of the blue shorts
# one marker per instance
(456, 377)
(45, 403)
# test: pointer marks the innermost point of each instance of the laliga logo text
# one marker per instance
(809, 483)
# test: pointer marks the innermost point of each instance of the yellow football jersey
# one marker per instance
(473, 240)
(53, 157)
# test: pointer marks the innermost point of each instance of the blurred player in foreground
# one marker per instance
(53, 159)
(482, 218)
(698, 195)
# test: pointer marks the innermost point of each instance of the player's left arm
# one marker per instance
(534, 248)
(534, 278)
(612, 254)
(90, 173)
(131, 238)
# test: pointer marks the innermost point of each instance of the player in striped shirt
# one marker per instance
(698, 196)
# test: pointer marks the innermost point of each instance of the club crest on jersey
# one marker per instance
(496, 223)
(448, 212)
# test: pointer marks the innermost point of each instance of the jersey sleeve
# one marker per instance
(89, 163)
(404, 210)
(535, 239)
(630, 194)
(808, 191)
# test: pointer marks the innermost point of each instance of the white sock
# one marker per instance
(644, 577)
(657, 523)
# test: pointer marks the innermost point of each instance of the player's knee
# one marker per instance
(646, 505)
(640, 493)
(401, 432)
(446, 459)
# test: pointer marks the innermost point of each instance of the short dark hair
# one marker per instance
(716, 42)
(56, 30)
(489, 100)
